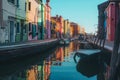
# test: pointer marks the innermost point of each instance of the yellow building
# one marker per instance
(32, 8)
(66, 29)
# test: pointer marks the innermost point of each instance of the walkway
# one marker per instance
(25, 44)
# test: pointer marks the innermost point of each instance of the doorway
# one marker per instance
(12, 32)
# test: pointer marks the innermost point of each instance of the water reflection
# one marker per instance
(57, 64)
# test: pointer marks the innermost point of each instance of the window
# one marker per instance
(29, 6)
(25, 6)
(18, 27)
(17, 3)
(11, 1)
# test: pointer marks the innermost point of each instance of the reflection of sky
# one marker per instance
(83, 12)
(67, 71)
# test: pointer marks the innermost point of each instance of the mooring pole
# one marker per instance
(114, 58)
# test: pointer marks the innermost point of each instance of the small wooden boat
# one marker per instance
(64, 42)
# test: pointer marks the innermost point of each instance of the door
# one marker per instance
(12, 32)
(22, 28)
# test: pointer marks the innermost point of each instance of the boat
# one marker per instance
(64, 42)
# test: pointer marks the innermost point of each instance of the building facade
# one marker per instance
(112, 19)
(66, 29)
(73, 29)
(48, 19)
(101, 20)
(21, 28)
(8, 20)
(41, 24)
(32, 19)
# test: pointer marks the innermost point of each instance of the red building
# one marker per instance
(112, 19)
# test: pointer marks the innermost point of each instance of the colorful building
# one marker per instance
(59, 26)
(32, 18)
(19, 20)
(53, 28)
(73, 29)
(102, 20)
(41, 18)
(8, 29)
(47, 20)
(66, 29)
(21, 26)
(112, 19)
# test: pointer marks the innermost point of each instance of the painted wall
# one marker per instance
(66, 28)
(21, 26)
(48, 20)
(41, 21)
(9, 10)
(53, 27)
(111, 21)
(2, 30)
(32, 18)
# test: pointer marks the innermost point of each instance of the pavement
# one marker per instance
(22, 44)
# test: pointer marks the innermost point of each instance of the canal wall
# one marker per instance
(12, 51)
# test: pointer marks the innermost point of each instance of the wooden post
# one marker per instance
(114, 58)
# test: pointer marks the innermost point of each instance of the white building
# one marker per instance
(13, 14)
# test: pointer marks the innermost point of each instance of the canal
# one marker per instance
(55, 64)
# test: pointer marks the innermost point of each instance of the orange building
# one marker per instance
(73, 29)
(59, 25)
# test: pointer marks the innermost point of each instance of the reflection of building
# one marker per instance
(66, 51)
(58, 58)
(47, 66)
(71, 47)
(32, 74)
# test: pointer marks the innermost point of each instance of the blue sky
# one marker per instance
(83, 12)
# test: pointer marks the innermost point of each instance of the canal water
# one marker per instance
(54, 64)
